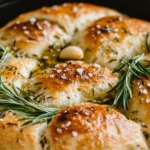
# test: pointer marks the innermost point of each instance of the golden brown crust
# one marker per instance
(70, 83)
(111, 40)
(69, 16)
(31, 38)
(32, 33)
(17, 70)
(139, 105)
(94, 127)
(14, 136)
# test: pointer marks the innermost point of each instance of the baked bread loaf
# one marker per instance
(65, 55)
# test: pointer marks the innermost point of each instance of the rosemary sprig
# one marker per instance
(4, 55)
(148, 41)
(131, 68)
(27, 108)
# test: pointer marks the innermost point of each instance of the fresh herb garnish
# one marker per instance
(4, 55)
(26, 107)
(148, 42)
(131, 68)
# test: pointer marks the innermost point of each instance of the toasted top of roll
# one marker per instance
(69, 16)
(17, 70)
(32, 38)
(70, 83)
(14, 136)
(94, 127)
(111, 40)
(139, 105)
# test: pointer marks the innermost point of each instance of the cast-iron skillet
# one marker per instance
(12, 8)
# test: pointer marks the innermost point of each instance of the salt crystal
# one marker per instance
(32, 20)
(98, 26)
(59, 130)
(51, 75)
(90, 74)
(39, 26)
(26, 32)
(75, 9)
(24, 27)
(63, 76)
(68, 123)
(148, 84)
(74, 133)
(96, 65)
(147, 100)
(98, 32)
(46, 23)
(58, 71)
(44, 33)
(45, 57)
(80, 70)
(143, 91)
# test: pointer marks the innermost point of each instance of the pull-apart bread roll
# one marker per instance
(17, 70)
(139, 105)
(112, 40)
(93, 127)
(70, 83)
(32, 37)
(14, 136)
(79, 127)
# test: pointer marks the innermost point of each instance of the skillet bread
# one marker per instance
(64, 56)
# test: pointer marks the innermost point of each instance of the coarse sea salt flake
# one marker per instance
(32, 19)
(58, 71)
(59, 130)
(74, 133)
(96, 65)
(80, 70)
(90, 74)
(148, 100)
(143, 91)
(51, 75)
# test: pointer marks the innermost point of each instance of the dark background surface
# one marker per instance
(12, 8)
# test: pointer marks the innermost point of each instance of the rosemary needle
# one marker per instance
(132, 68)
(27, 108)
(11, 100)
(148, 42)
(4, 55)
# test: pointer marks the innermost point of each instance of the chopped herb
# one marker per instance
(38, 83)
(112, 60)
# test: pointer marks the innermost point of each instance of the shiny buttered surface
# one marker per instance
(94, 127)
(64, 56)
